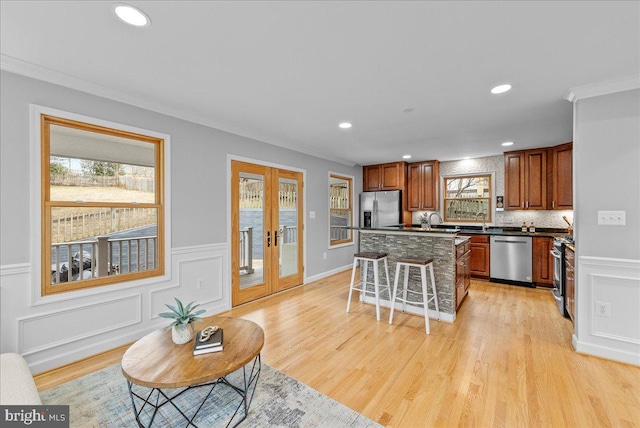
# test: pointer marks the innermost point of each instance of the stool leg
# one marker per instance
(425, 300)
(353, 278)
(376, 288)
(407, 268)
(363, 286)
(386, 272)
(433, 288)
(395, 290)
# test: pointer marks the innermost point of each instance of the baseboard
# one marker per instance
(326, 274)
(605, 352)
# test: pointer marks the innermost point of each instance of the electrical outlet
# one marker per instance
(603, 309)
(612, 218)
(199, 283)
(312, 214)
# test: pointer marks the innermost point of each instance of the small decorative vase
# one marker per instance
(182, 334)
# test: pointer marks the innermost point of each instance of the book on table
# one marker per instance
(212, 344)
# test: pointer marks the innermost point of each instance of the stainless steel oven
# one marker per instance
(558, 274)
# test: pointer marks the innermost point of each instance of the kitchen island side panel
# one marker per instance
(441, 249)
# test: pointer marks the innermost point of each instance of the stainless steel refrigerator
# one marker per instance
(380, 209)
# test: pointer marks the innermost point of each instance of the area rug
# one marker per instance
(101, 399)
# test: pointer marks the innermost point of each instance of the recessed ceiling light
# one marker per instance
(500, 89)
(345, 125)
(131, 15)
(508, 143)
(406, 156)
(408, 110)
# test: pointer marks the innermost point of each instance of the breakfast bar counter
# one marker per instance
(438, 244)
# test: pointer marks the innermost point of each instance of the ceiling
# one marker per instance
(288, 72)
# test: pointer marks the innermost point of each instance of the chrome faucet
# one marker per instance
(429, 219)
(484, 220)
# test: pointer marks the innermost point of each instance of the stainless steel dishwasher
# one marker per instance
(511, 259)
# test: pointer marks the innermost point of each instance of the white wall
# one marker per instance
(56, 331)
(607, 178)
(495, 165)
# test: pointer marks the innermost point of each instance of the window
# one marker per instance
(340, 210)
(102, 205)
(467, 198)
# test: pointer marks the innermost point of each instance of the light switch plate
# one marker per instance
(611, 218)
(312, 214)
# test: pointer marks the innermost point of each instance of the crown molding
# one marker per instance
(34, 71)
(603, 88)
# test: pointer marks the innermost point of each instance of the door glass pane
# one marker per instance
(251, 200)
(288, 226)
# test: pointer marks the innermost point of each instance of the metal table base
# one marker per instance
(157, 397)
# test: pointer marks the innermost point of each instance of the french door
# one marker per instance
(266, 233)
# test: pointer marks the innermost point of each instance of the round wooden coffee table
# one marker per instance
(157, 363)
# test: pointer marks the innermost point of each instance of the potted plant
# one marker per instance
(424, 220)
(182, 316)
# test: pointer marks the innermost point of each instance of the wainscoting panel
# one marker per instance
(49, 330)
(614, 283)
(59, 331)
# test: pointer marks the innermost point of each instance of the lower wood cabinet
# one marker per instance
(570, 282)
(542, 261)
(480, 256)
(463, 271)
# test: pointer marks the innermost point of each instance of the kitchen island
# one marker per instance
(438, 244)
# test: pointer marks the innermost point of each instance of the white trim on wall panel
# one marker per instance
(220, 251)
(35, 297)
(608, 282)
(231, 157)
(614, 340)
(48, 317)
(15, 269)
(198, 249)
(34, 71)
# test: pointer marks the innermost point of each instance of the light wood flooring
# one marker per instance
(507, 361)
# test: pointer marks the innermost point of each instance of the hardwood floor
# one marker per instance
(506, 361)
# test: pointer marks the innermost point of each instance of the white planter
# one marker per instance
(182, 334)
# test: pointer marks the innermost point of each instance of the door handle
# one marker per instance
(275, 238)
(268, 238)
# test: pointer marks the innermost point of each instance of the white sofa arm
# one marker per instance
(16, 383)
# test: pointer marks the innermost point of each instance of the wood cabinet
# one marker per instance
(525, 180)
(480, 256)
(423, 186)
(542, 261)
(463, 272)
(562, 177)
(569, 282)
(386, 176)
(539, 179)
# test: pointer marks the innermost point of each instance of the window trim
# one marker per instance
(40, 295)
(489, 219)
(351, 240)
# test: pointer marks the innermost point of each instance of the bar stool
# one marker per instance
(362, 286)
(423, 264)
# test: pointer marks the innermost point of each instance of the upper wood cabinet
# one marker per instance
(386, 176)
(542, 261)
(562, 177)
(424, 178)
(525, 180)
(539, 179)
